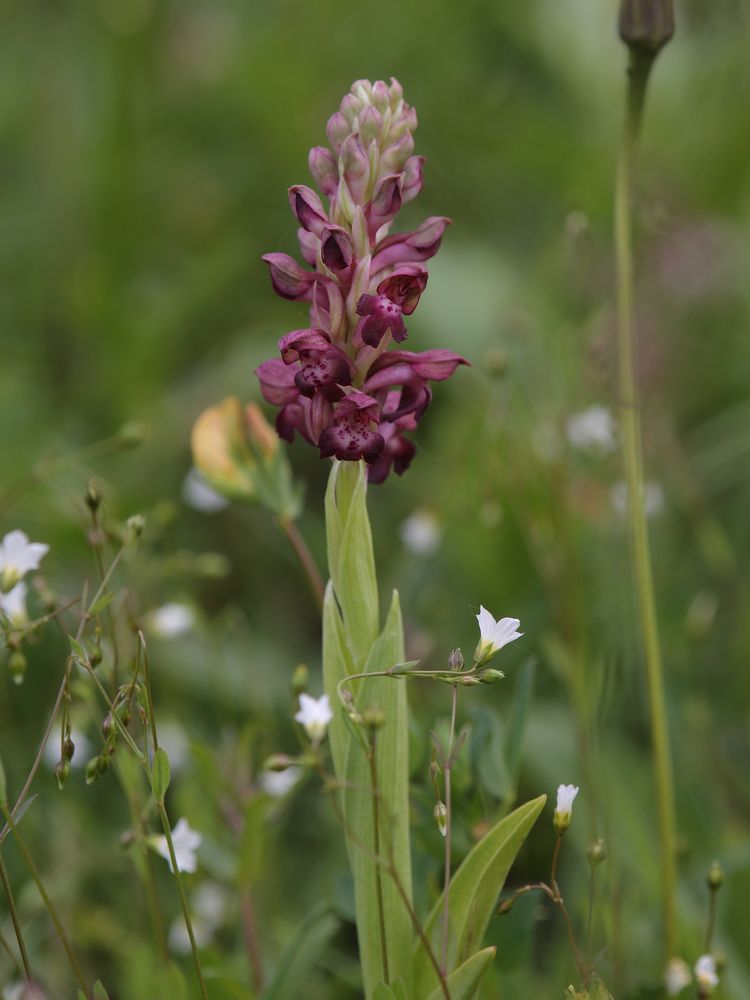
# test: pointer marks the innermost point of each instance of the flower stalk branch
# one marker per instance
(640, 64)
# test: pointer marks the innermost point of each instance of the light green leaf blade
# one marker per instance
(301, 954)
(389, 695)
(357, 586)
(464, 981)
(473, 892)
(99, 992)
(336, 666)
(160, 774)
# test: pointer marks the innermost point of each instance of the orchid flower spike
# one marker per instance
(564, 808)
(493, 635)
(314, 715)
(185, 842)
(17, 557)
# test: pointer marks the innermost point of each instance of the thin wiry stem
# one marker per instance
(376, 844)
(298, 543)
(14, 918)
(638, 74)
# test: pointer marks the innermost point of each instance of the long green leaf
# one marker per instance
(473, 893)
(301, 954)
(464, 981)
(357, 586)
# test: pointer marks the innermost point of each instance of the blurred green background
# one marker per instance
(146, 151)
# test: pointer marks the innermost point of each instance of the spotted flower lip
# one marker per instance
(336, 383)
(350, 436)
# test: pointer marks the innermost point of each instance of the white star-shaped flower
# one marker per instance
(593, 429)
(314, 715)
(493, 635)
(706, 975)
(17, 556)
(564, 809)
(13, 604)
(185, 841)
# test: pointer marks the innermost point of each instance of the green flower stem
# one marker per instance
(16, 922)
(61, 932)
(183, 898)
(11, 955)
(371, 758)
(448, 834)
(298, 543)
(638, 73)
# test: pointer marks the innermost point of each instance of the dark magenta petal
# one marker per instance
(405, 286)
(289, 280)
(294, 345)
(398, 453)
(385, 203)
(414, 399)
(321, 369)
(309, 245)
(436, 365)
(336, 248)
(350, 443)
(382, 315)
(417, 246)
(308, 208)
(277, 382)
(291, 418)
(411, 181)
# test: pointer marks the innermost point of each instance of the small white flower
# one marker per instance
(677, 977)
(200, 495)
(706, 975)
(493, 635)
(593, 429)
(421, 533)
(314, 714)
(170, 620)
(13, 604)
(564, 809)
(278, 783)
(186, 842)
(440, 814)
(17, 556)
(653, 498)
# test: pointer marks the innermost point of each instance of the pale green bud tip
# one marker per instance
(133, 433)
(646, 25)
(715, 877)
(373, 717)
(278, 762)
(93, 497)
(300, 679)
(491, 676)
(505, 907)
(135, 525)
(596, 853)
(17, 664)
(441, 816)
(564, 809)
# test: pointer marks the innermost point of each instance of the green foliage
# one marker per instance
(464, 982)
(301, 955)
(160, 774)
(474, 891)
(350, 604)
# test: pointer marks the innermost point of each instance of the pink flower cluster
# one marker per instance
(336, 382)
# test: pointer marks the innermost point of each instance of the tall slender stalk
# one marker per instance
(15, 920)
(638, 73)
(371, 756)
(448, 834)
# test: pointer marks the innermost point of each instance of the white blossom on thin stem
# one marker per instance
(493, 635)
(677, 977)
(564, 809)
(706, 975)
(314, 715)
(170, 620)
(17, 557)
(277, 784)
(185, 842)
(13, 604)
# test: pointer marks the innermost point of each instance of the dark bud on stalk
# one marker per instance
(93, 497)
(646, 25)
(68, 749)
(96, 656)
(456, 660)
(505, 907)
(300, 679)
(108, 724)
(596, 853)
(715, 878)
(278, 762)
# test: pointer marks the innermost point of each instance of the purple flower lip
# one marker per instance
(308, 208)
(382, 315)
(417, 246)
(350, 436)
(323, 366)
